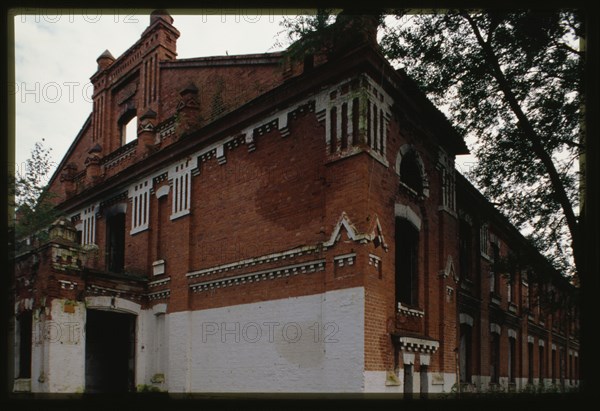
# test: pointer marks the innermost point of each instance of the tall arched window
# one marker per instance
(407, 253)
(410, 172)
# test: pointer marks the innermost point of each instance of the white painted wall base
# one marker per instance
(301, 344)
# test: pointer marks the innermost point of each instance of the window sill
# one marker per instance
(466, 284)
(138, 229)
(179, 214)
(350, 151)
(22, 385)
(448, 210)
(512, 307)
(495, 298)
(378, 156)
(411, 312)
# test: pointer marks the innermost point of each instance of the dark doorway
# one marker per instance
(408, 381)
(109, 352)
(407, 248)
(424, 386)
(495, 358)
(115, 243)
(25, 332)
(465, 353)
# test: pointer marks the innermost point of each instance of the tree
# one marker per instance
(512, 82)
(34, 209)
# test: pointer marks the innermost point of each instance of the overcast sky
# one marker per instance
(56, 51)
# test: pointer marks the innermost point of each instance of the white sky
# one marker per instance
(56, 51)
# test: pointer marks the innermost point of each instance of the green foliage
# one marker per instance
(540, 65)
(312, 34)
(28, 191)
(310, 29)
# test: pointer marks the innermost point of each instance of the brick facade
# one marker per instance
(254, 179)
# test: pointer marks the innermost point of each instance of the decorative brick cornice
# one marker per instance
(410, 312)
(420, 345)
(249, 262)
(159, 295)
(345, 259)
(160, 282)
(270, 274)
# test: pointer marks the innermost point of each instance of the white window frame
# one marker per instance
(88, 224)
(180, 176)
(140, 205)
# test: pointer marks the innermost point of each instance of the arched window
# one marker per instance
(410, 172)
(407, 248)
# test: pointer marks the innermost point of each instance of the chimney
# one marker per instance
(157, 15)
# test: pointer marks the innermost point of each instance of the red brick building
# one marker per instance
(278, 226)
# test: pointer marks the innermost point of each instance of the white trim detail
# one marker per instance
(160, 282)
(256, 276)
(530, 339)
(411, 312)
(112, 304)
(345, 259)
(88, 219)
(221, 159)
(554, 347)
(181, 177)
(418, 344)
(343, 221)
(140, 205)
(295, 252)
(159, 309)
(158, 267)
(495, 328)
(449, 270)
(425, 359)
(408, 358)
(465, 319)
(541, 343)
(512, 333)
(373, 234)
(404, 211)
(158, 295)
(163, 191)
